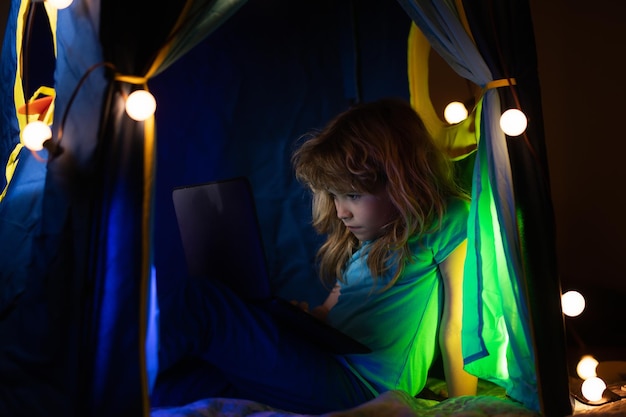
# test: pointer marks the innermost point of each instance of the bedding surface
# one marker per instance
(389, 404)
(491, 402)
(612, 409)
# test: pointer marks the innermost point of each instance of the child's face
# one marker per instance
(364, 214)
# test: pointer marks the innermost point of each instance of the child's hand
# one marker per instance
(302, 304)
(320, 312)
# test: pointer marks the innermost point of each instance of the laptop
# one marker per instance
(222, 239)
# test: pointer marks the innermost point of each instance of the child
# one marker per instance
(395, 222)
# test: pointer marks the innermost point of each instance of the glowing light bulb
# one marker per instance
(593, 388)
(513, 122)
(586, 367)
(140, 105)
(572, 303)
(455, 112)
(35, 134)
(60, 4)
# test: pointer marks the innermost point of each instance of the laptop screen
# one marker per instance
(221, 235)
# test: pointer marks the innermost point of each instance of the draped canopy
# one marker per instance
(89, 278)
(510, 257)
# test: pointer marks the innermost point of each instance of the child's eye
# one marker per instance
(353, 196)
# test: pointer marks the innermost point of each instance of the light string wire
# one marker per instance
(54, 147)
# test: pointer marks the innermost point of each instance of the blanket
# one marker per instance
(491, 401)
(389, 404)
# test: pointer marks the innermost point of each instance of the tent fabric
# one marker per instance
(14, 84)
(458, 140)
(499, 249)
(252, 91)
(120, 247)
(126, 183)
(11, 96)
(92, 269)
(40, 340)
(500, 307)
(504, 34)
(82, 263)
(21, 212)
(19, 222)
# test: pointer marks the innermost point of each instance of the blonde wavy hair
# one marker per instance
(372, 146)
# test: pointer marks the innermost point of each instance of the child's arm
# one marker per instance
(458, 380)
(322, 310)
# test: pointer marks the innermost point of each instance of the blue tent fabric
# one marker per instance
(234, 105)
(17, 224)
(251, 92)
(42, 353)
(9, 130)
(20, 213)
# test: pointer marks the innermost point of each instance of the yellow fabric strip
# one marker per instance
(458, 140)
(417, 59)
(147, 203)
(48, 116)
(43, 91)
(165, 49)
(18, 92)
(149, 174)
(131, 79)
(503, 82)
(146, 250)
(11, 167)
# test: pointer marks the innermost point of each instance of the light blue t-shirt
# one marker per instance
(401, 324)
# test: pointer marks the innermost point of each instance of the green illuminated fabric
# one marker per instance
(400, 324)
(497, 342)
(497, 339)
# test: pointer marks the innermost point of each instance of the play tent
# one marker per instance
(86, 225)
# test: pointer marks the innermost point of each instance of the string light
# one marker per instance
(140, 105)
(455, 112)
(572, 303)
(35, 134)
(586, 367)
(513, 122)
(593, 388)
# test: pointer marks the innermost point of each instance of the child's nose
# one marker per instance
(342, 211)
